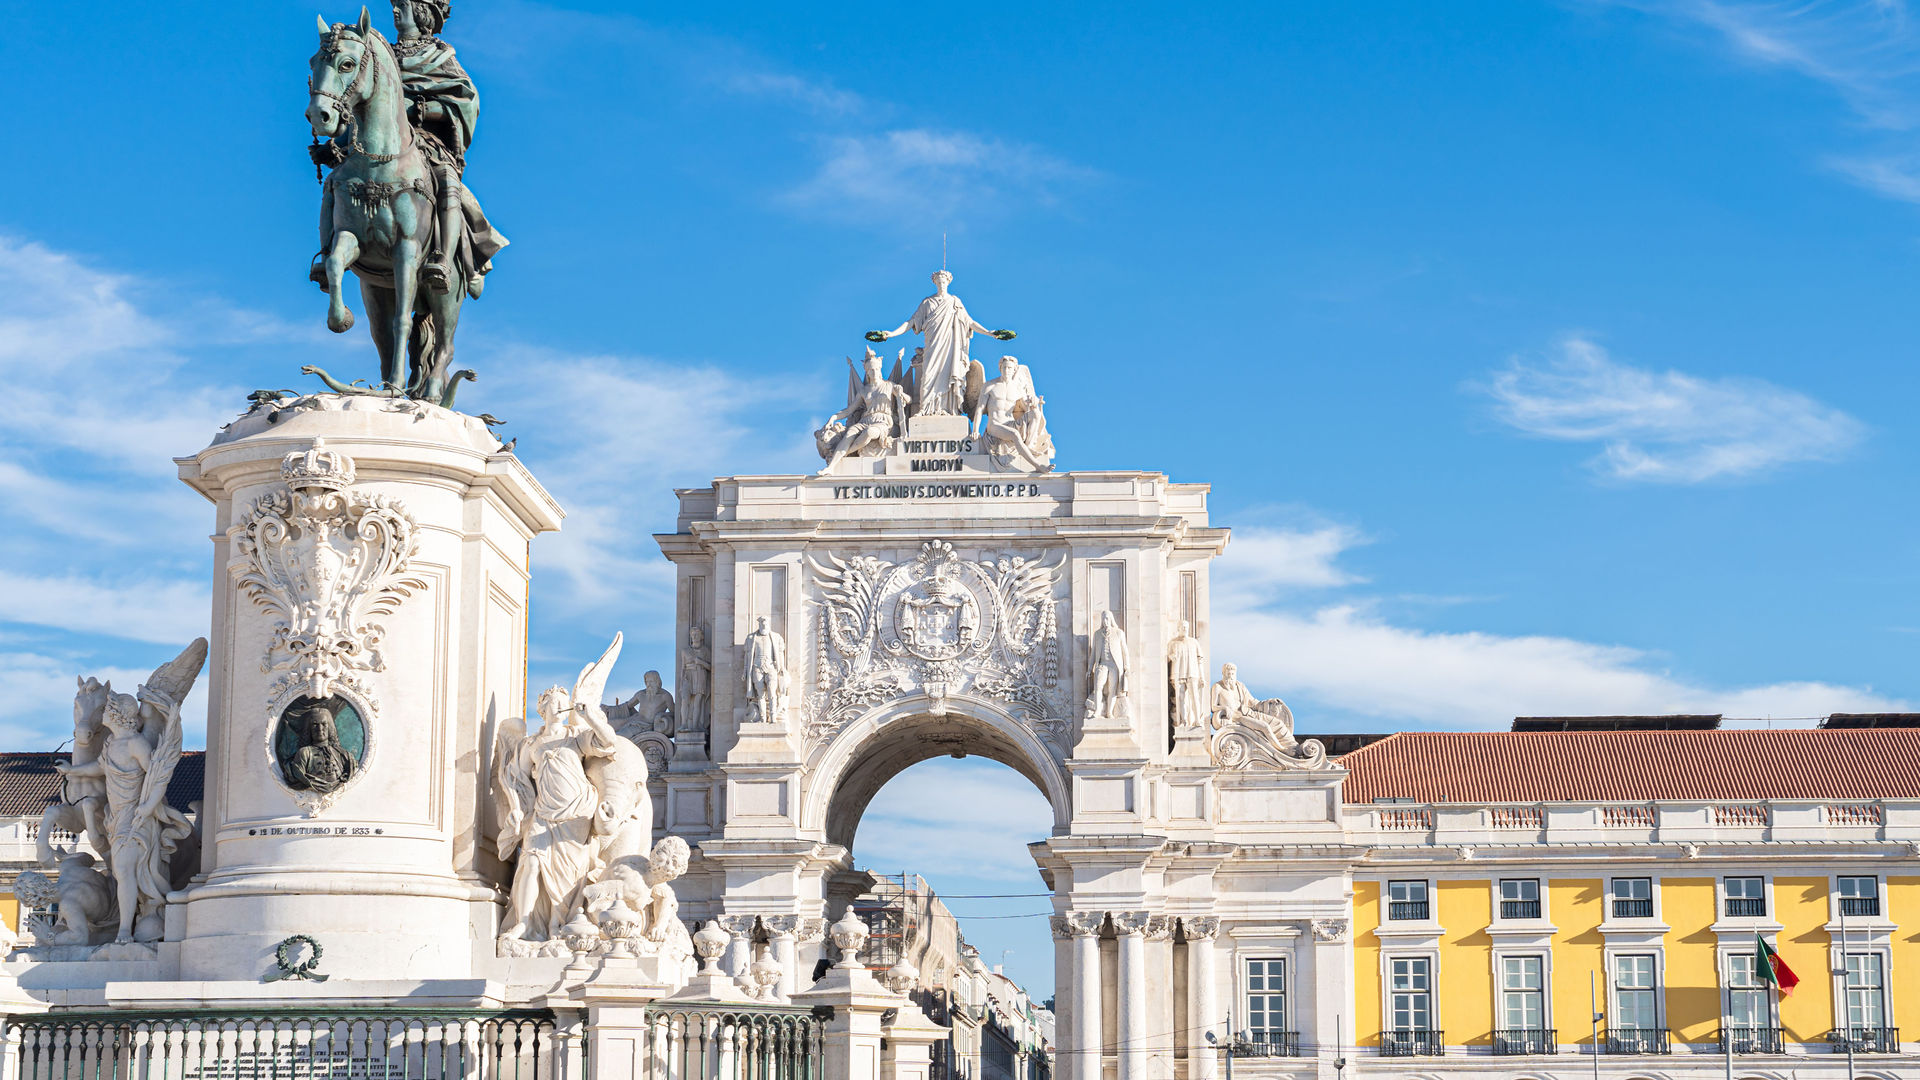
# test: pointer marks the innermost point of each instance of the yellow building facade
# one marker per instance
(1573, 932)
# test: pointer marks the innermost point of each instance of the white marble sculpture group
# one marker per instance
(113, 793)
(572, 804)
(942, 379)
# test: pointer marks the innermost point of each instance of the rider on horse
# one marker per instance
(443, 107)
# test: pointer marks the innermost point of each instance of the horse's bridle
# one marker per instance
(353, 95)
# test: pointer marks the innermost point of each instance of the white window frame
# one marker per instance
(1541, 892)
(1653, 899)
(1729, 955)
(1245, 1004)
(1435, 1019)
(1842, 1006)
(1838, 954)
(1613, 957)
(1720, 898)
(1501, 956)
(1386, 902)
(1862, 921)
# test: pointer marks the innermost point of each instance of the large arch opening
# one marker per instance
(936, 812)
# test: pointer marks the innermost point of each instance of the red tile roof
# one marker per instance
(1636, 766)
(28, 782)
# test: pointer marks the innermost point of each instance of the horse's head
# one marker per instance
(344, 74)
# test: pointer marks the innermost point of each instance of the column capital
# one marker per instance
(781, 925)
(811, 929)
(1329, 930)
(739, 926)
(1199, 927)
(1128, 923)
(1083, 923)
(1160, 928)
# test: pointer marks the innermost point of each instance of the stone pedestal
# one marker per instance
(907, 1051)
(858, 1028)
(422, 634)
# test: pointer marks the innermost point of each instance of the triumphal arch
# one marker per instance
(938, 588)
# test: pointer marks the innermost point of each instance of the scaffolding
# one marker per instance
(891, 911)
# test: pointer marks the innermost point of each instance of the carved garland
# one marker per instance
(329, 561)
(939, 625)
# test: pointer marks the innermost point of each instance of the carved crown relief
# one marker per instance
(938, 625)
(328, 561)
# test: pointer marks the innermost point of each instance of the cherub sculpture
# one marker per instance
(634, 898)
(142, 749)
(571, 795)
(876, 415)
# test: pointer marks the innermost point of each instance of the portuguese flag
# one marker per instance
(1768, 967)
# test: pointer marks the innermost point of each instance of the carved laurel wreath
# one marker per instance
(284, 959)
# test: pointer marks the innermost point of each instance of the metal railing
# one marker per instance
(1412, 1043)
(1752, 1040)
(735, 1042)
(345, 1044)
(1632, 909)
(1639, 1041)
(1858, 906)
(1867, 1040)
(1525, 1041)
(1745, 908)
(1257, 1044)
(1402, 910)
(1519, 909)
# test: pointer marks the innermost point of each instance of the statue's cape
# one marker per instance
(433, 74)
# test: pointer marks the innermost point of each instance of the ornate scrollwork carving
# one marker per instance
(941, 625)
(329, 561)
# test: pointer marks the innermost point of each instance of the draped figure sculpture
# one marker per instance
(549, 803)
(948, 380)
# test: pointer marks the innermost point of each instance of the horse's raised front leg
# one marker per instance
(345, 252)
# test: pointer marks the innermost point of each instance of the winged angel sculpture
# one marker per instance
(122, 764)
(572, 802)
(876, 414)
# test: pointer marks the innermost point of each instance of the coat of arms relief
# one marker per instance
(939, 625)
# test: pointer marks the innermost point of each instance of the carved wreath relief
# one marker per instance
(939, 625)
(328, 560)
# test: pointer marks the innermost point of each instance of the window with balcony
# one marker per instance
(1632, 898)
(1746, 898)
(1859, 897)
(1866, 994)
(1523, 1008)
(1749, 1028)
(1266, 996)
(1636, 992)
(1407, 901)
(1410, 1006)
(1520, 898)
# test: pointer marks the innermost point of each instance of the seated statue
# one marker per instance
(1013, 425)
(876, 415)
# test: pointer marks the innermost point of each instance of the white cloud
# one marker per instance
(1341, 657)
(1667, 427)
(903, 830)
(161, 611)
(1265, 558)
(779, 86)
(1866, 52)
(920, 176)
(1345, 657)
(611, 436)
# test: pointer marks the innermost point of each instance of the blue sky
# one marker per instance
(1548, 357)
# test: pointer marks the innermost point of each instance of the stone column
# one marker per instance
(1203, 1013)
(1130, 927)
(783, 930)
(1159, 1000)
(1063, 1021)
(1084, 1046)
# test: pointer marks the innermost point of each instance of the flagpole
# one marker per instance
(1726, 1031)
(1846, 1005)
(1593, 1007)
